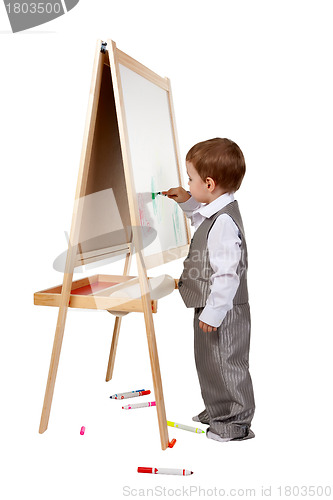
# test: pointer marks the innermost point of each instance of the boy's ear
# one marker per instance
(210, 182)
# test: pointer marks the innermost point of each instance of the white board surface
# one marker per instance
(153, 160)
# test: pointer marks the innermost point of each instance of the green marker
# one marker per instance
(155, 194)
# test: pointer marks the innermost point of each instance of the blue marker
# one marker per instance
(124, 395)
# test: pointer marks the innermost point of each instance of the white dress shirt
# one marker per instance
(223, 245)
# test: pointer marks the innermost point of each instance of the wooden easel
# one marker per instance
(93, 292)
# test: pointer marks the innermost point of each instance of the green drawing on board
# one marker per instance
(157, 202)
(152, 187)
(176, 224)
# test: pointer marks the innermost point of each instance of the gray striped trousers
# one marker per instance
(222, 362)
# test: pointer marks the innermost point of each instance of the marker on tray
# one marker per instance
(133, 394)
(139, 405)
(154, 470)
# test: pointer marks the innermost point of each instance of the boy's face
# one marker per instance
(198, 187)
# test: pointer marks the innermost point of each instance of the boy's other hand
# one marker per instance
(178, 194)
(207, 328)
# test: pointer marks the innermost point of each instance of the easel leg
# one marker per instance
(113, 350)
(59, 334)
(116, 329)
(156, 373)
(152, 347)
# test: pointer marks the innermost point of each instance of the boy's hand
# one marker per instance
(207, 328)
(178, 194)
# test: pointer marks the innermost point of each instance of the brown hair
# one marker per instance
(220, 159)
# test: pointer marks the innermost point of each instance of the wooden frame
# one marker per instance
(118, 57)
(95, 299)
(94, 292)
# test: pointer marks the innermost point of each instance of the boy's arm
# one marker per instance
(190, 208)
(224, 253)
(187, 203)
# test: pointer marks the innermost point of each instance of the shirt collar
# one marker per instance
(211, 208)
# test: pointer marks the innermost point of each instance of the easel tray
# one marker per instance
(94, 293)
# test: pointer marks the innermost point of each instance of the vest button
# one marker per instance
(180, 283)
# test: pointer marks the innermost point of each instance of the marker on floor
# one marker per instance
(175, 472)
(82, 431)
(185, 427)
(122, 395)
(133, 394)
(139, 405)
(172, 443)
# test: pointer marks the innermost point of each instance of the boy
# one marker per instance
(214, 283)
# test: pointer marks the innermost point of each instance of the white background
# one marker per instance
(259, 73)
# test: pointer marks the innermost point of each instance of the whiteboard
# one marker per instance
(153, 160)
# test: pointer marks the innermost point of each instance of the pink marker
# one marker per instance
(139, 405)
(82, 430)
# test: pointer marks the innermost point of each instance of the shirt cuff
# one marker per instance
(190, 205)
(212, 316)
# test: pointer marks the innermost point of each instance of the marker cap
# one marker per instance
(172, 443)
(148, 470)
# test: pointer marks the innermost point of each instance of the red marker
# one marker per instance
(126, 395)
(175, 472)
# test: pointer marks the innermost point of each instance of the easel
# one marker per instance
(93, 292)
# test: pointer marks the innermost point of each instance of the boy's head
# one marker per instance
(217, 160)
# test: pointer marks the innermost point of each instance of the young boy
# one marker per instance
(214, 283)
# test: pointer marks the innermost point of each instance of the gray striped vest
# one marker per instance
(194, 283)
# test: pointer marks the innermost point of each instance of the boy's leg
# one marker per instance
(202, 417)
(223, 369)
